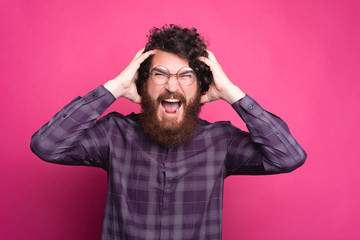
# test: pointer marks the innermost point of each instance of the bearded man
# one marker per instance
(166, 167)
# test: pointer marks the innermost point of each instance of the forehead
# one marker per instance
(169, 60)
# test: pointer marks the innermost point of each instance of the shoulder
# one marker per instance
(205, 123)
(118, 119)
(116, 115)
(223, 127)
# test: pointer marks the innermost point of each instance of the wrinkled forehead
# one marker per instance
(169, 60)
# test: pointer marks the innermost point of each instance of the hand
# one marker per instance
(124, 84)
(222, 87)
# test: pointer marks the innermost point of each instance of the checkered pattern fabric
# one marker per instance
(160, 193)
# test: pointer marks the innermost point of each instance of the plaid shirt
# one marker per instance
(159, 193)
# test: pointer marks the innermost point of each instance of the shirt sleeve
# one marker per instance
(268, 148)
(66, 138)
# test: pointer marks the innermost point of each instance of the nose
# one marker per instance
(172, 84)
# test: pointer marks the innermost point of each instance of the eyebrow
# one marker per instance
(159, 70)
(188, 71)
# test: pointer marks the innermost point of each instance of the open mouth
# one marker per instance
(171, 105)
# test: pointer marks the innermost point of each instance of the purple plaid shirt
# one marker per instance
(156, 192)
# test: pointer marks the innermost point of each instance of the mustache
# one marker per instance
(168, 95)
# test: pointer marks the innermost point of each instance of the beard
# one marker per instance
(169, 132)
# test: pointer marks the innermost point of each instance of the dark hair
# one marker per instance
(184, 42)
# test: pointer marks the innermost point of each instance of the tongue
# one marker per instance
(170, 107)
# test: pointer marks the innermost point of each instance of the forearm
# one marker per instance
(281, 151)
(115, 87)
(233, 94)
(63, 132)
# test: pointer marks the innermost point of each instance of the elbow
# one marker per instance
(36, 147)
(294, 162)
(50, 151)
(40, 148)
(284, 163)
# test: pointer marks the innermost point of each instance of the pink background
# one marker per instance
(299, 59)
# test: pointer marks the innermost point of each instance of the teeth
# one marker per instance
(172, 100)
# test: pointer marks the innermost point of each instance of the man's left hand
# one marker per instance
(222, 87)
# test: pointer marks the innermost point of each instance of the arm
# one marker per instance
(74, 136)
(65, 139)
(269, 147)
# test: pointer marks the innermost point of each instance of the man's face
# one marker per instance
(170, 110)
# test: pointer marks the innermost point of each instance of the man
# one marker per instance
(166, 167)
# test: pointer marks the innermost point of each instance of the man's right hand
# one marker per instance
(124, 84)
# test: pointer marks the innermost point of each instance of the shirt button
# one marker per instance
(65, 115)
(95, 94)
(250, 107)
(276, 132)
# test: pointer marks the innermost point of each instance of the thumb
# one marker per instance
(204, 99)
(137, 99)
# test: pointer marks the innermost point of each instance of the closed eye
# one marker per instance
(159, 74)
(186, 76)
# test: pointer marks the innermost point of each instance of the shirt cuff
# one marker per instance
(99, 99)
(248, 105)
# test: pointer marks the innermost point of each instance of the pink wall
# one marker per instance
(300, 59)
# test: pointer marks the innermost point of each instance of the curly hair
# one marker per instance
(184, 42)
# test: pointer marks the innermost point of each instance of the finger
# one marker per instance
(207, 61)
(212, 56)
(136, 75)
(138, 54)
(138, 99)
(204, 99)
(144, 56)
